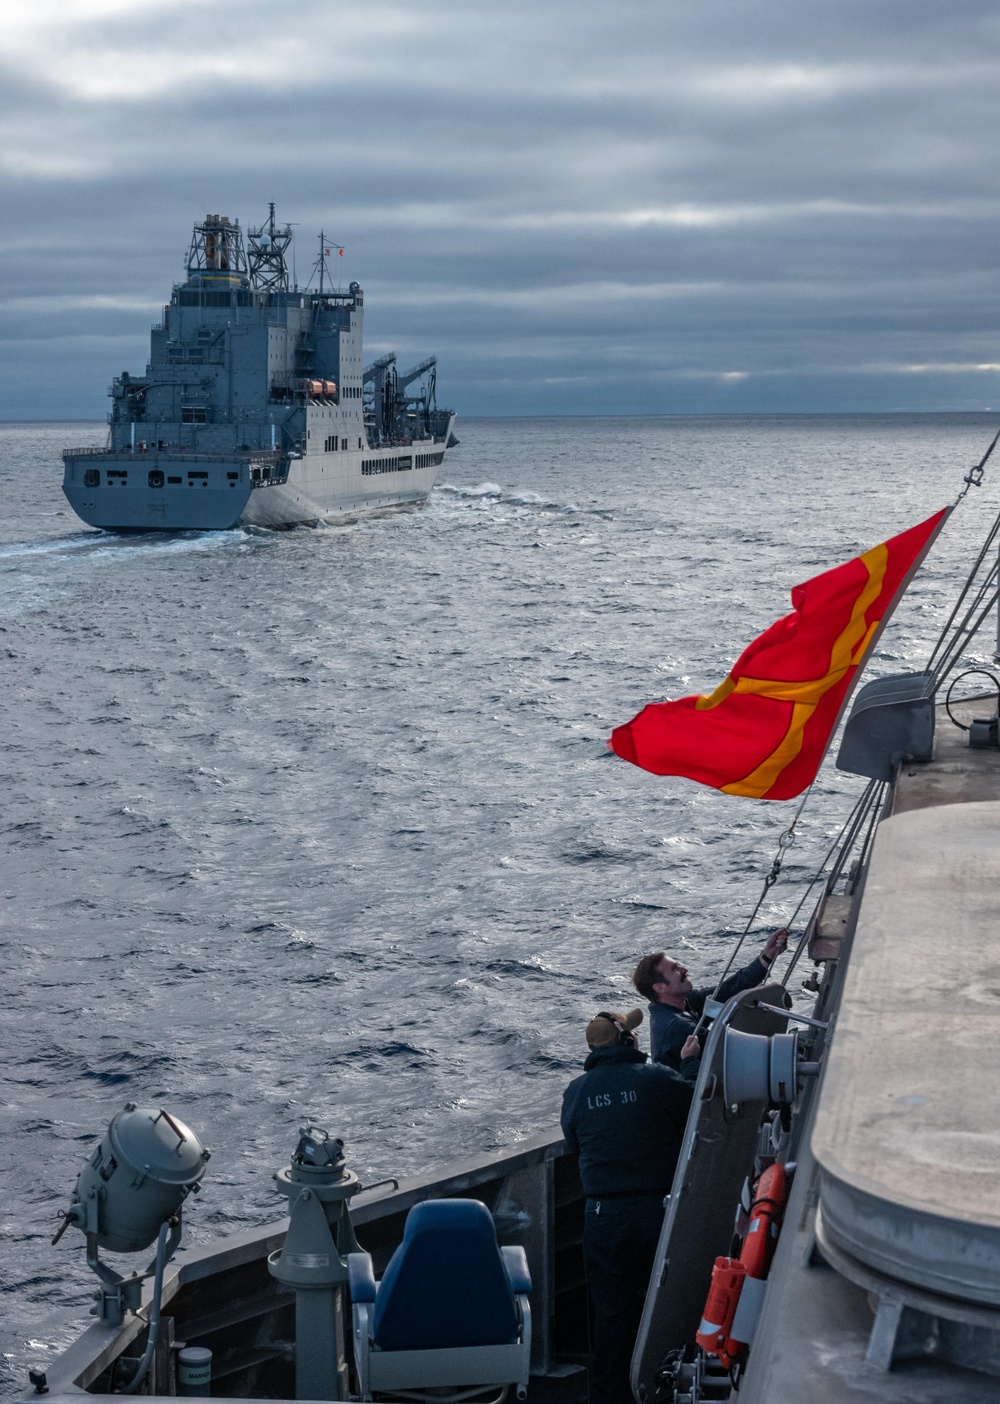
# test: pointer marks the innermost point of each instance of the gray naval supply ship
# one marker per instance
(256, 407)
(864, 1136)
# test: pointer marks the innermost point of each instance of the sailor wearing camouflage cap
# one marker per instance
(625, 1119)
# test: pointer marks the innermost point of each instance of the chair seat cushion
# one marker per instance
(446, 1284)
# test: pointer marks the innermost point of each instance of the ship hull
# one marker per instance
(167, 491)
(319, 489)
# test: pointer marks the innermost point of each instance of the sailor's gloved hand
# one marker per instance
(777, 943)
(691, 1048)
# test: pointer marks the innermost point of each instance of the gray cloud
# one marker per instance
(707, 205)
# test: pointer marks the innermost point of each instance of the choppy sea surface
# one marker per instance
(321, 825)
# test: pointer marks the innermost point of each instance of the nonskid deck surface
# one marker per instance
(563, 1389)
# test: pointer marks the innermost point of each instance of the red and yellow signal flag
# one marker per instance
(764, 731)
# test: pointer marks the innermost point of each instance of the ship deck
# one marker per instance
(896, 1202)
(222, 1295)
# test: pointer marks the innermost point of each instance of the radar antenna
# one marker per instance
(268, 269)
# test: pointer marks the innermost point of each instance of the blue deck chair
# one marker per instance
(450, 1313)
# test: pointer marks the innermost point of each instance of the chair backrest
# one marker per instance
(446, 1284)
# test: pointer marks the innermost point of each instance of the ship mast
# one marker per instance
(326, 247)
(268, 245)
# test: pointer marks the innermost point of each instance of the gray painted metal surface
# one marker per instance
(892, 720)
(223, 1292)
(907, 1137)
(916, 947)
(815, 1332)
(717, 1154)
(255, 406)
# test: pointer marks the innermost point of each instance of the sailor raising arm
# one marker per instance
(675, 1005)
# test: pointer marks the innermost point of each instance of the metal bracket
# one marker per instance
(800, 1018)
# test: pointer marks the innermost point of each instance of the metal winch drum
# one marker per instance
(758, 1068)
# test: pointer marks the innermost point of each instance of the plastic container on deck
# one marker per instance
(194, 1372)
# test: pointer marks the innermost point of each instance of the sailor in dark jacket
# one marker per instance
(675, 1006)
(625, 1118)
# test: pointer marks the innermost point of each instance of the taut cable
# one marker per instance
(867, 808)
(785, 842)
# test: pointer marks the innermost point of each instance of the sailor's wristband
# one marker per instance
(768, 960)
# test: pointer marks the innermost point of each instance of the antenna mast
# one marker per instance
(326, 247)
(268, 245)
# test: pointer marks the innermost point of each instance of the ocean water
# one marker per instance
(321, 826)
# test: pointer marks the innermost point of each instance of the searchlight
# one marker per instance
(128, 1196)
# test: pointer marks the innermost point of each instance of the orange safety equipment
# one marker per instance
(765, 1221)
(721, 1331)
(728, 1277)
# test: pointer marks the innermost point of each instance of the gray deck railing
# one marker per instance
(127, 455)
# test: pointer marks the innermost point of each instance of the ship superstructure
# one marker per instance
(256, 407)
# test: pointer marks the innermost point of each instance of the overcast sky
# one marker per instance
(647, 206)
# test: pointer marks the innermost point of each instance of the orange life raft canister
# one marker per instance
(715, 1335)
(765, 1221)
(728, 1277)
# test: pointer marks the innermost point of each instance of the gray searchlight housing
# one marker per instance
(129, 1194)
(146, 1165)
